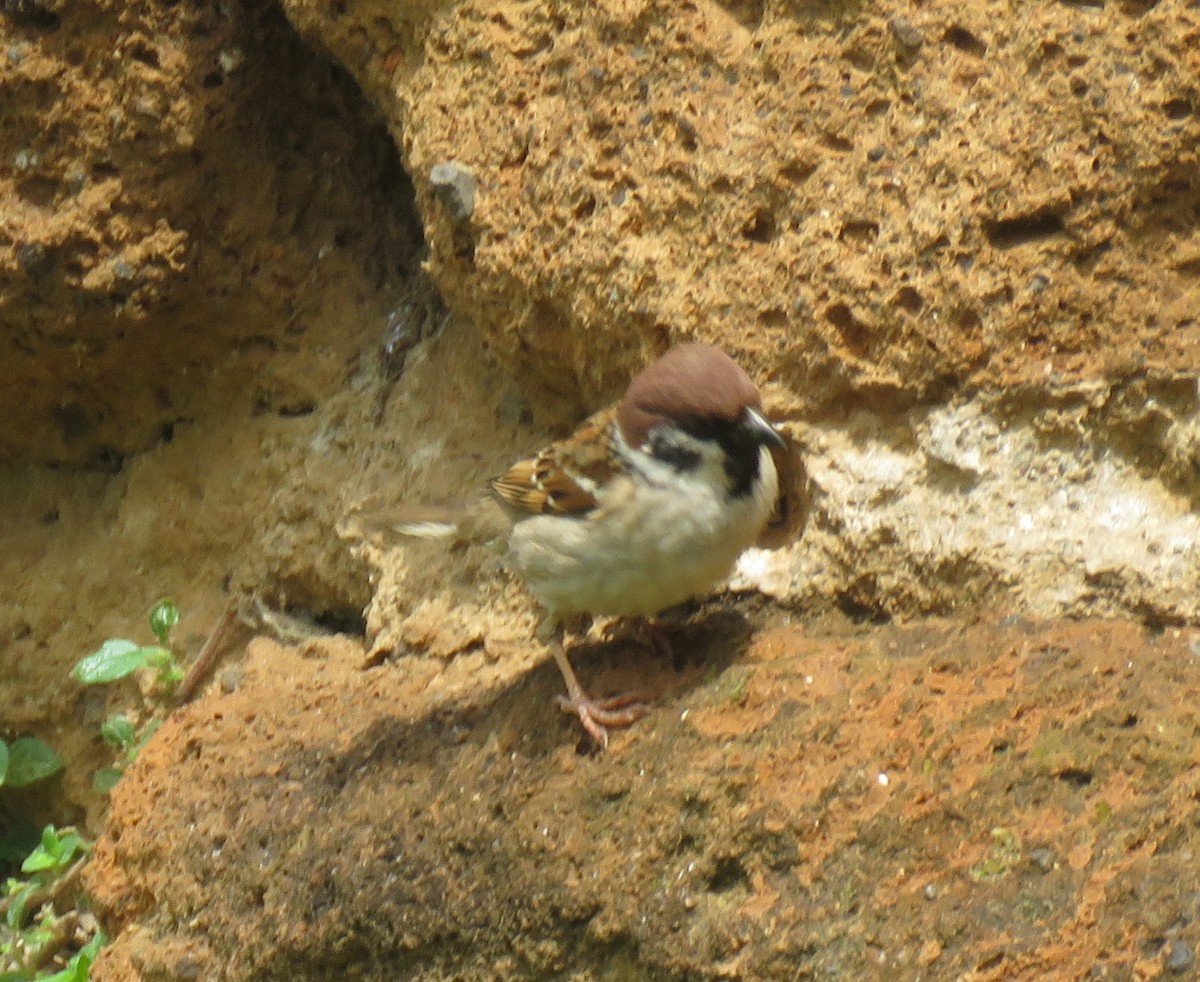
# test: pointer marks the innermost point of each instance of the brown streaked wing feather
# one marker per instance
(549, 483)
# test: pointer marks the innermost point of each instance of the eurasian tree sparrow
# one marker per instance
(647, 504)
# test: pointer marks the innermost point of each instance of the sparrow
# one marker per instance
(647, 504)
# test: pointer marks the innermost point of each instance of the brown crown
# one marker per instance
(691, 382)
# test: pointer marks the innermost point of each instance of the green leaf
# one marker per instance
(29, 760)
(3, 761)
(45, 856)
(164, 615)
(114, 659)
(56, 851)
(70, 845)
(16, 906)
(13, 977)
(77, 968)
(39, 860)
(51, 841)
(118, 731)
(105, 779)
(170, 675)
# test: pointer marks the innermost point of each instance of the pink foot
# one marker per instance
(598, 714)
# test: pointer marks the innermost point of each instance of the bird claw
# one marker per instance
(596, 715)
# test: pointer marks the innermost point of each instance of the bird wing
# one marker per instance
(564, 478)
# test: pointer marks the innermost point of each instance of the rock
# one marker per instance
(455, 187)
(1179, 956)
(369, 817)
(906, 34)
(1042, 858)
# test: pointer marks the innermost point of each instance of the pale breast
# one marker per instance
(646, 548)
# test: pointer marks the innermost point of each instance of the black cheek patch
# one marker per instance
(683, 459)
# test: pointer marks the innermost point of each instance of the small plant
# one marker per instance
(117, 658)
(1001, 858)
(25, 761)
(22, 762)
(35, 938)
(737, 686)
(128, 738)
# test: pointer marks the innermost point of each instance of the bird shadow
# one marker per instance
(669, 657)
(522, 717)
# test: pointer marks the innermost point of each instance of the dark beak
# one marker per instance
(763, 432)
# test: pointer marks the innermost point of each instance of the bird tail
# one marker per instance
(416, 522)
(482, 521)
(427, 529)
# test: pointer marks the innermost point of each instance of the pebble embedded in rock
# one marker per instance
(1179, 956)
(1042, 858)
(231, 678)
(905, 33)
(32, 257)
(455, 186)
(123, 271)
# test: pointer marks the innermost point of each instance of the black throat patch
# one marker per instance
(740, 444)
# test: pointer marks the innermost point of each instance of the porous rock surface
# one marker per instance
(865, 202)
(875, 207)
(943, 801)
(959, 247)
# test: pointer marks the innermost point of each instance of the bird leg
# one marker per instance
(594, 714)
